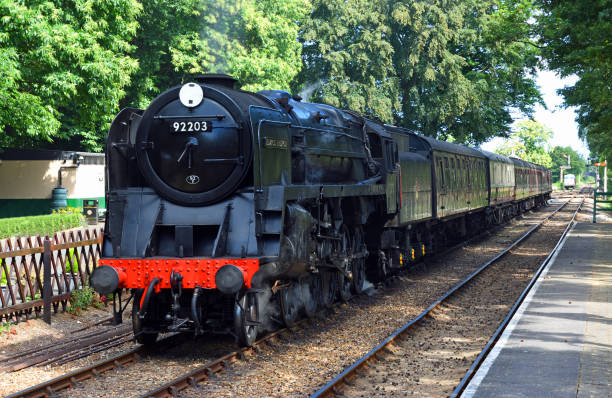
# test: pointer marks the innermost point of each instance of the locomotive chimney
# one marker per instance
(217, 79)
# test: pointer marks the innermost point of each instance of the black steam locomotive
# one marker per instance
(228, 210)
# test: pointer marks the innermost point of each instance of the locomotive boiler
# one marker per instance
(230, 210)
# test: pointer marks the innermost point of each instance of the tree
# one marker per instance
(64, 69)
(575, 36)
(577, 162)
(451, 69)
(254, 41)
(529, 141)
(168, 47)
(348, 57)
(261, 48)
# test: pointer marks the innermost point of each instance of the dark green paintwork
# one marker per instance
(461, 183)
(272, 143)
(36, 207)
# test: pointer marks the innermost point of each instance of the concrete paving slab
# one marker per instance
(561, 341)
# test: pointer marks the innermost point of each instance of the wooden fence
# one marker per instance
(73, 256)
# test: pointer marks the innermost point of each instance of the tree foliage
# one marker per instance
(64, 65)
(257, 41)
(528, 141)
(254, 41)
(168, 47)
(451, 69)
(348, 57)
(447, 69)
(576, 36)
(577, 162)
(69, 64)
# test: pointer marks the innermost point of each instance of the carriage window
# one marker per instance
(447, 173)
(442, 180)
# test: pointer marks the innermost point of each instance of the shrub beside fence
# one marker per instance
(40, 225)
(73, 256)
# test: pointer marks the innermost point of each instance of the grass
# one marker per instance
(604, 205)
(40, 225)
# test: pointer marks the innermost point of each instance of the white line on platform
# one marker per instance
(503, 340)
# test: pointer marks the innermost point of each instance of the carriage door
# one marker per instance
(392, 176)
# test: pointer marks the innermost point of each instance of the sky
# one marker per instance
(559, 119)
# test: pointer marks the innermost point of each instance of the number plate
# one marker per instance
(190, 126)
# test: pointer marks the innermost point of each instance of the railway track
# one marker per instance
(120, 361)
(192, 379)
(384, 363)
(52, 387)
(188, 380)
(70, 349)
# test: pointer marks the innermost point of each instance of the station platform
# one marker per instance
(559, 342)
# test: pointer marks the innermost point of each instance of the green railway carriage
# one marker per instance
(523, 174)
(460, 178)
(415, 177)
(500, 175)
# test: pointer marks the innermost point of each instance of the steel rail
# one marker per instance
(191, 379)
(485, 351)
(336, 385)
(63, 349)
(51, 387)
(202, 373)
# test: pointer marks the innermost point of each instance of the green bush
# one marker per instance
(82, 299)
(40, 225)
(5, 327)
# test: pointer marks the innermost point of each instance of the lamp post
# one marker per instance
(605, 166)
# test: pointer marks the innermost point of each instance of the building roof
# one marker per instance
(45, 154)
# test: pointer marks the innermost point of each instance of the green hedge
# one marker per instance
(39, 225)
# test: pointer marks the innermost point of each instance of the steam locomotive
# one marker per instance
(229, 210)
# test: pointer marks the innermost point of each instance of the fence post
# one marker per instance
(594, 206)
(47, 290)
